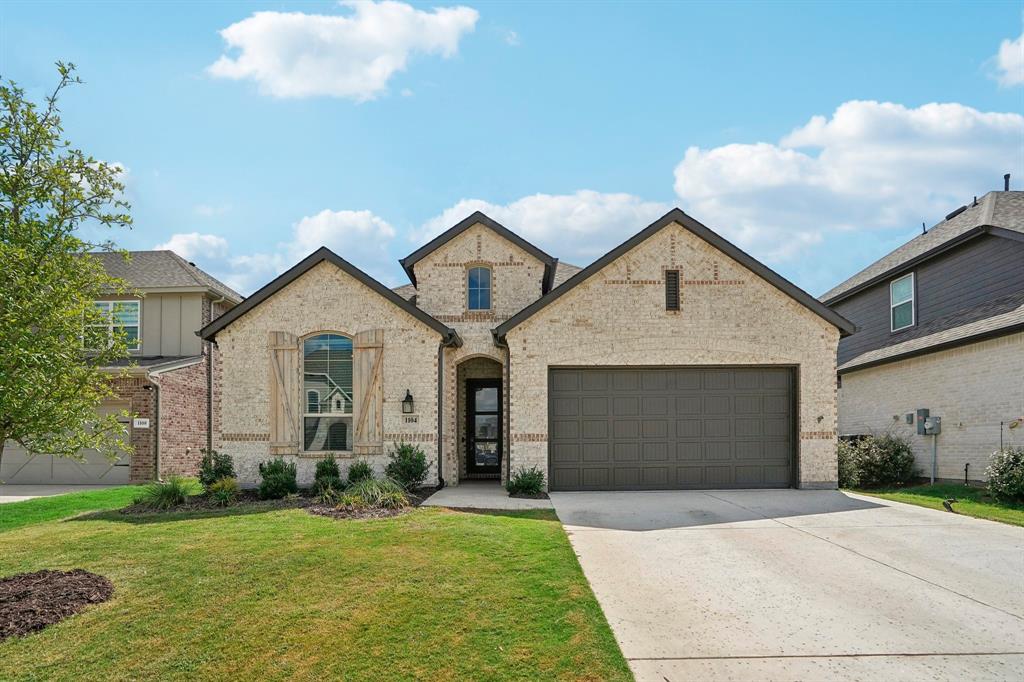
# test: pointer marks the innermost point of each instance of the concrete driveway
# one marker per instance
(18, 493)
(800, 585)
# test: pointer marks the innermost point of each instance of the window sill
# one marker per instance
(324, 454)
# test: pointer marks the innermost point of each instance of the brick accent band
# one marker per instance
(529, 437)
(411, 437)
(246, 437)
(817, 435)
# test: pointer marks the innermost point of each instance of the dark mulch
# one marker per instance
(31, 601)
(416, 498)
(530, 496)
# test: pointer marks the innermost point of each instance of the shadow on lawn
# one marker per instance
(144, 518)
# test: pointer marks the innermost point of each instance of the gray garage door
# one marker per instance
(671, 428)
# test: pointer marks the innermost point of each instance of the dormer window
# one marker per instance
(478, 286)
(901, 303)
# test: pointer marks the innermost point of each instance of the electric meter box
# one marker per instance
(933, 426)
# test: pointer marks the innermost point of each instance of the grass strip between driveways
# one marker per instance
(19, 514)
(281, 594)
(971, 501)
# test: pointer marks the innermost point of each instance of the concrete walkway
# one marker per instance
(800, 585)
(17, 493)
(481, 495)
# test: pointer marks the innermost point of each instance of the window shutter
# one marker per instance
(671, 290)
(368, 387)
(284, 393)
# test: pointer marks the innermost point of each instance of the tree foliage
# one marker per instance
(50, 195)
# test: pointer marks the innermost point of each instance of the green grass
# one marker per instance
(971, 501)
(18, 514)
(246, 594)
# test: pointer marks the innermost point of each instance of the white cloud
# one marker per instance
(1009, 62)
(575, 227)
(192, 245)
(871, 165)
(511, 38)
(291, 54)
(359, 237)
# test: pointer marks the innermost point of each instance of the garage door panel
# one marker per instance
(671, 428)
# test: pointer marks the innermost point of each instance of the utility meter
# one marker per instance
(932, 426)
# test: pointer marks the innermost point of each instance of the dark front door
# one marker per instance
(483, 427)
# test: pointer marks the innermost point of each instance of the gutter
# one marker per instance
(506, 413)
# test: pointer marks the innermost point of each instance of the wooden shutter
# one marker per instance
(284, 393)
(368, 390)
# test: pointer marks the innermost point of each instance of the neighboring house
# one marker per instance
(166, 386)
(940, 326)
(673, 361)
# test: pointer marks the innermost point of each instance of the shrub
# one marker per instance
(215, 466)
(278, 479)
(224, 491)
(327, 468)
(360, 470)
(165, 494)
(408, 466)
(875, 461)
(377, 493)
(526, 482)
(1005, 474)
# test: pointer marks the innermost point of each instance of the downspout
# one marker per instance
(156, 423)
(506, 413)
(209, 381)
(452, 340)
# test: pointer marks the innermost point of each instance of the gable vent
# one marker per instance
(671, 290)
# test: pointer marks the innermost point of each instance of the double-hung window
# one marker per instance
(114, 318)
(327, 391)
(901, 303)
(478, 285)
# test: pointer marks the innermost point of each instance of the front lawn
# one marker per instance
(971, 501)
(18, 514)
(433, 594)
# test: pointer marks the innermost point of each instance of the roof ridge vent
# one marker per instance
(956, 212)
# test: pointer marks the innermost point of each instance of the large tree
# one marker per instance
(51, 377)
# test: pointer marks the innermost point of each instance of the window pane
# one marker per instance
(327, 433)
(902, 290)
(486, 454)
(131, 336)
(485, 277)
(485, 299)
(327, 372)
(486, 399)
(474, 278)
(474, 299)
(485, 426)
(126, 312)
(903, 315)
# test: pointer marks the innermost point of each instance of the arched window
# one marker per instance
(327, 378)
(478, 286)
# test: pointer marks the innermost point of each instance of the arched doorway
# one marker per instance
(480, 419)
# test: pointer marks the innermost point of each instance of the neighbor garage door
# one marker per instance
(21, 467)
(671, 428)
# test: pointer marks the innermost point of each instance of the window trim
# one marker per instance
(110, 326)
(912, 301)
(350, 415)
(490, 288)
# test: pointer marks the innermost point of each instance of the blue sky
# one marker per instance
(817, 137)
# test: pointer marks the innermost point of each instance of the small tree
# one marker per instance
(49, 387)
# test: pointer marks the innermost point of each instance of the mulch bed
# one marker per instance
(525, 496)
(31, 601)
(250, 500)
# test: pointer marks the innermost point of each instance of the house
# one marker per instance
(164, 385)
(673, 361)
(940, 327)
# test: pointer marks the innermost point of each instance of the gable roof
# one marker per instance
(998, 213)
(162, 270)
(732, 251)
(209, 332)
(550, 263)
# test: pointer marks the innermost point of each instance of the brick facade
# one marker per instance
(324, 299)
(182, 419)
(972, 388)
(728, 316)
(138, 392)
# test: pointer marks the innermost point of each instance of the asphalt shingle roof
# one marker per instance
(1002, 209)
(160, 269)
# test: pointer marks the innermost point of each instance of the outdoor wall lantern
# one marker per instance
(407, 403)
